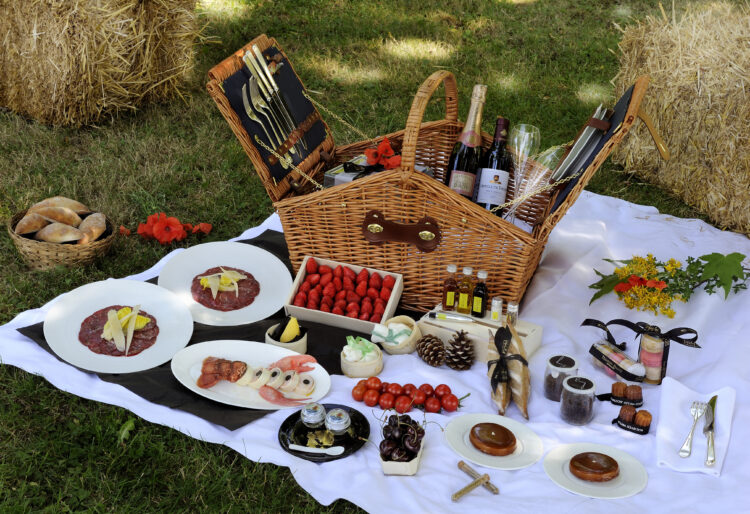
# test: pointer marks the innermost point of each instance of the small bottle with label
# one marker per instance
(511, 317)
(479, 297)
(497, 308)
(465, 291)
(450, 288)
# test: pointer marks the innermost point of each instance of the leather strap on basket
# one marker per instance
(424, 234)
(416, 113)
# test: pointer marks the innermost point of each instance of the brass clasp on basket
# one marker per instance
(424, 234)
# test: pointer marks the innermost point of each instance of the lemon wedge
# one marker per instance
(123, 316)
(226, 280)
(291, 331)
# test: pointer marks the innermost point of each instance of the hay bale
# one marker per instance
(75, 62)
(699, 99)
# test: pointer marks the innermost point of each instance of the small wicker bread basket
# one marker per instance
(40, 255)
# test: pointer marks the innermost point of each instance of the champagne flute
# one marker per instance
(537, 173)
(523, 142)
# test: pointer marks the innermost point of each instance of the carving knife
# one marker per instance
(708, 429)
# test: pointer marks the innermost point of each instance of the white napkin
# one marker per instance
(675, 422)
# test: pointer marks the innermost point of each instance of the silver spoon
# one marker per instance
(333, 450)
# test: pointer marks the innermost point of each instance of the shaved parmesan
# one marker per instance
(131, 327)
(226, 280)
(117, 336)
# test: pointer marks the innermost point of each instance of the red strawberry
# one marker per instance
(329, 290)
(352, 306)
(361, 289)
(337, 283)
(375, 318)
(373, 293)
(366, 308)
(301, 296)
(389, 281)
(379, 309)
(341, 304)
(312, 304)
(317, 288)
(327, 300)
(375, 281)
(351, 296)
(352, 314)
(313, 295)
(363, 275)
(385, 293)
(305, 287)
(366, 299)
(364, 316)
(313, 279)
(338, 272)
(340, 295)
(325, 308)
(326, 278)
(348, 284)
(379, 301)
(311, 266)
(299, 303)
(348, 272)
(323, 269)
(338, 310)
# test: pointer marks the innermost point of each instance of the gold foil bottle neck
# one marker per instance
(479, 93)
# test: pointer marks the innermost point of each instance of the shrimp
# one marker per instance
(273, 396)
(298, 363)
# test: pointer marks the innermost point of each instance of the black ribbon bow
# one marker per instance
(641, 328)
(503, 338)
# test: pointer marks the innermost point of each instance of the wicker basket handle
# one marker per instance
(418, 106)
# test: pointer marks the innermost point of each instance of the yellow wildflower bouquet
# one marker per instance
(645, 284)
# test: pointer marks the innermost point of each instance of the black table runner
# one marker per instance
(159, 386)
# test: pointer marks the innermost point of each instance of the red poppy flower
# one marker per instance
(124, 231)
(188, 227)
(656, 284)
(383, 154)
(623, 287)
(635, 280)
(392, 162)
(169, 229)
(204, 228)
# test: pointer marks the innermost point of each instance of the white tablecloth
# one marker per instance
(596, 227)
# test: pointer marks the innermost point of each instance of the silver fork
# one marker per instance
(261, 106)
(697, 409)
(285, 162)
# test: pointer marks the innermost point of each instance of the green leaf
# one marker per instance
(725, 268)
(605, 285)
(125, 430)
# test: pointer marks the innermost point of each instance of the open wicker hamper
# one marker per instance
(331, 223)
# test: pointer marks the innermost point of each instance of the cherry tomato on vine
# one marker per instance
(395, 389)
(362, 382)
(427, 389)
(418, 397)
(358, 393)
(384, 387)
(373, 383)
(386, 401)
(442, 390)
(371, 397)
(403, 404)
(449, 402)
(408, 388)
(432, 404)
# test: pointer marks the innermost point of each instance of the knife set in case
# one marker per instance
(653, 350)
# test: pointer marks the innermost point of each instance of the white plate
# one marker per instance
(529, 448)
(631, 480)
(274, 279)
(63, 323)
(186, 367)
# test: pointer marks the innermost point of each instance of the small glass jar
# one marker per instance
(559, 367)
(313, 415)
(511, 317)
(496, 309)
(577, 400)
(337, 421)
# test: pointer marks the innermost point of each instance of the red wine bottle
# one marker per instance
(495, 171)
(467, 152)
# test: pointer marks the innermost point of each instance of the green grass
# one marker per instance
(546, 62)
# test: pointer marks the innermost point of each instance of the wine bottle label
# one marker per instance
(463, 300)
(493, 186)
(477, 305)
(450, 299)
(462, 182)
(470, 138)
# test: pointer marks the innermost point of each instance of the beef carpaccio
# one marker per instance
(91, 334)
(248, 289)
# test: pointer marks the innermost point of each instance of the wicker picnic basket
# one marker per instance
(340, 222)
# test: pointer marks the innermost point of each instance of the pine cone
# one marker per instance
(432, 350)
(460, 353)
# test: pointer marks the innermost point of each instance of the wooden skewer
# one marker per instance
(476, 483)
(660, 145)
(475, 474)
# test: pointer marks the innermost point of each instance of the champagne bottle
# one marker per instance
(467, 152)
(495, 171)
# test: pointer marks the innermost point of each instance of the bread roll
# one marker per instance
(61, 201)
(59, 214)
(58, 233)
(31, 223)
(92, 227)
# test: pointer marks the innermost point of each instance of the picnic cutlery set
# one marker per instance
(708, 412)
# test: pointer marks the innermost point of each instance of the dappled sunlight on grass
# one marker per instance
(222, 9)
(335, 70)
(417, 48)
(592, 93)
(507, 82)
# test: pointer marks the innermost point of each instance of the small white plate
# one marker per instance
(186, 367)
(272, 275)
(529, 448)
(63, 323)
(631, 480)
